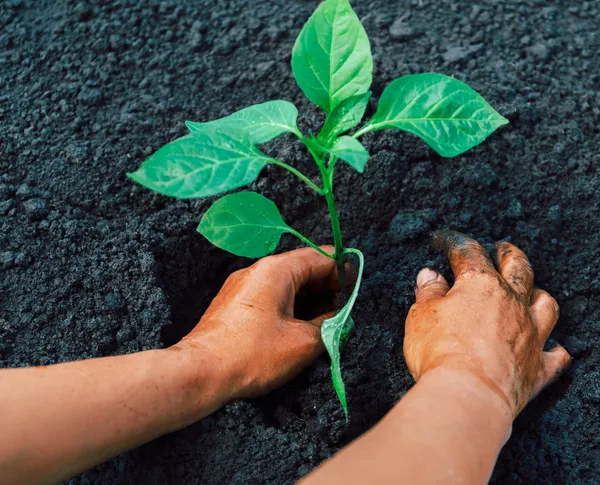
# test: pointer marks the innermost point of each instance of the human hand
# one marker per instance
(490, 324)
(250, 330)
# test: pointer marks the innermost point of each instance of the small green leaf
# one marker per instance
(351, 151)
(260, 123)
(347, 148)
(335, 329)
(449, 115)
(200, 165)
(344, 117)
(245, 224)
(331, 59)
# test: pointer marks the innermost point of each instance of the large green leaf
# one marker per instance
(344, 117)
(200, 165)
(245, 224)
(259, 123)
(331, 59)
(351, 151)
(449, 115)
(334, 330)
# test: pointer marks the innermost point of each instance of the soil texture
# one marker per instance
(93, 265)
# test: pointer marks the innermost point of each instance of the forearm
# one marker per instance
(448, 429)
(59, 420)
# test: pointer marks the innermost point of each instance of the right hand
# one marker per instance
(490, 324)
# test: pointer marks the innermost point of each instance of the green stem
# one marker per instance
(332, 161)
(327, 175)
(298, 174)
(335, 221)
(310, 243)
(363, 130)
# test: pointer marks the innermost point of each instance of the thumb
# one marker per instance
(554, 364)
(307, 338)
(430, 285)
(318, 321)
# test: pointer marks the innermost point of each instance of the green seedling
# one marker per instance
(332, 64)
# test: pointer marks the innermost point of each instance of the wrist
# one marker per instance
(473, 394)
(200, 380)
(496, 379)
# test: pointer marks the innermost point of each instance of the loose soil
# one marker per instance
(92, 265)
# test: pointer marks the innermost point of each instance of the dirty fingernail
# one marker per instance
(426, 275)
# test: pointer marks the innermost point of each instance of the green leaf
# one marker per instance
(245, 224)
(335, 329)
(346, 148)
(259, 123)
(351, 151)
(200, 165)
(344, 117)
(449, 115)
(331, 59)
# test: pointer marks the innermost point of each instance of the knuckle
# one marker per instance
(561, 361)
(432, 288)
(471, 244)
(547, 299)
(452, 240)
(479, 274)
(413, 312)
(265, 264)
(236, 275)
(308, 335)
(314, 336)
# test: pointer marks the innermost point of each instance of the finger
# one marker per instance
(545, 312)
(303, 266)
(465, 254)
(332, 282)
(430, 285)
(309, 343)
(515, 268)
(298, 349)
(318, 321)
(554, 364)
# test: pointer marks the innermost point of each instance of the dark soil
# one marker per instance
(93, 265)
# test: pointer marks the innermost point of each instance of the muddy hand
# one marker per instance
(492, 323)
(250, 328)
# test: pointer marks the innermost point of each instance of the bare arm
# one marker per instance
(475, 351)
(446, 430)
(60, 420)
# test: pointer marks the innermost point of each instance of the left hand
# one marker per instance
(250, 330)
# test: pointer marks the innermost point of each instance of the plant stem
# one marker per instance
(332, 161)
(327, 175)
(363, 130)
(310, 243)
(335, 222)
(298, 174)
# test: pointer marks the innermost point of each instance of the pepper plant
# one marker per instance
(332, 64)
